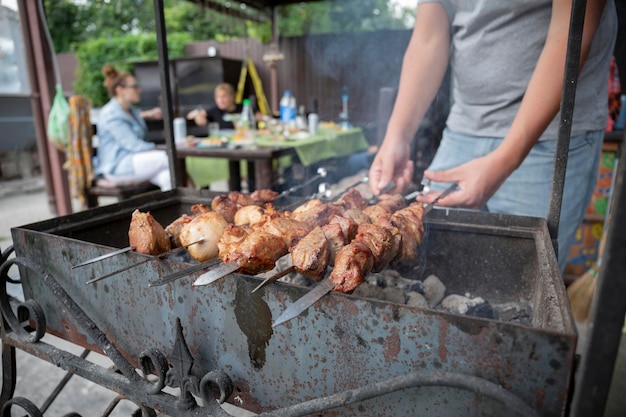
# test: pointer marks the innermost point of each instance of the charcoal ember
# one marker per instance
(416, 299)
(512, 312)
(455, 303)
(478, 307)
(367, 290)
(181, 256)
(376, 279)
(434, 290)
(387, 278)
(407, 284)
(393, 295)
(416, 286)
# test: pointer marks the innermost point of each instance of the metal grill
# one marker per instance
(345, 356)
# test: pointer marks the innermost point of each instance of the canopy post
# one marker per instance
(166, 92)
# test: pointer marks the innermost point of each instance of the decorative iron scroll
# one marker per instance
(139, 388)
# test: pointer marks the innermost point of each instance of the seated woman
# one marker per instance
(124, 155)
(224, 105)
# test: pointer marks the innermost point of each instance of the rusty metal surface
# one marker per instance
(341, 343)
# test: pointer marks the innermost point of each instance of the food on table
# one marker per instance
(212, 142)
(146, 235)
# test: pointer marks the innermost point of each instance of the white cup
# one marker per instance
(180, 130)
(214, 129)
(314, 120)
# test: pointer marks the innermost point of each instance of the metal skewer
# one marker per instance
(105, 256)
(275, 277)
(321, 173)
(183, 273)
(126, 268)
(363, 180)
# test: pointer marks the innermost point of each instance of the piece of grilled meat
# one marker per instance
(147, 235)
(257, 253)
(354, 261)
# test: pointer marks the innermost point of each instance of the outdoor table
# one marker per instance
(262, 158)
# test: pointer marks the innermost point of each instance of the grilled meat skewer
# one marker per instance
(392, 238)
(291, 227)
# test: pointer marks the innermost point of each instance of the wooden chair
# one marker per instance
(84, 186)
(102, 188)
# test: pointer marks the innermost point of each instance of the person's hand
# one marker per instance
(154, 113)
(478, 180)
(199, 117)
(391, 164)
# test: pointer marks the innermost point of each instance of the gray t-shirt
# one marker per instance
(495, 48)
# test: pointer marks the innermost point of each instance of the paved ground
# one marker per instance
(24, 202)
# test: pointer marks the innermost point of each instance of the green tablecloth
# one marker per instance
(325, 145)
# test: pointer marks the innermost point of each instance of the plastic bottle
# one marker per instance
(287, 107)
(246, 123)
(246, 120)
(301, 118)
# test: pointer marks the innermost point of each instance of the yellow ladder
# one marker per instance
(248, 66)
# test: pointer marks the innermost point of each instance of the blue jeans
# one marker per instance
(527, 191)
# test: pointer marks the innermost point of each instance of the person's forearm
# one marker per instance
(543, 96)
(423, 68)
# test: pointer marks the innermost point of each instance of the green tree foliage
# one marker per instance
(121, 51)
(122, 31)
(72, 22)
(67, 23)
(338, 16)
(202, 23)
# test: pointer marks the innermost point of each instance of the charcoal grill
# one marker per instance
(344, 356)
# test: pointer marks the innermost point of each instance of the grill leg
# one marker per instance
(9, 373)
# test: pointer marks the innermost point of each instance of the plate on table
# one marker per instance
(298, 136)
(212, 142)
(242, 143)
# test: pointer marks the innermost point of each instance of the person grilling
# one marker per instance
(124, 155)
(508, 62)
(224, 106)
